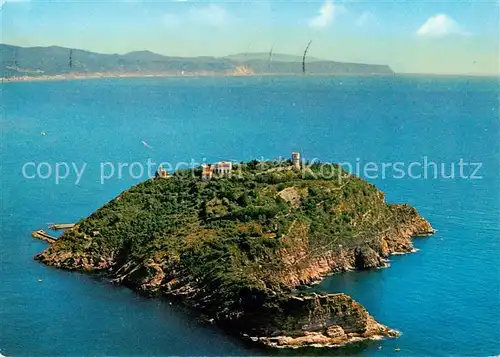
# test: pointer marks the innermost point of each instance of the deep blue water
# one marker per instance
(444, 298)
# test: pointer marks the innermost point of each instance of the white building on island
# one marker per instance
(221, 168)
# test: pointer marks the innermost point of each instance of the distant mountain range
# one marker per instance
(54, 60)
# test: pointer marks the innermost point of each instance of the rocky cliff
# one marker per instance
(237, 248)
(318, 320)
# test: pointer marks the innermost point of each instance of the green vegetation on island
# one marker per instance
(238, 247)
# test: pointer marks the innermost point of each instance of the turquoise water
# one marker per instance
(444, 298)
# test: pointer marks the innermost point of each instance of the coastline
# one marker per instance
(70, 77)
(86, 76)
(265, 307)
(336, 335)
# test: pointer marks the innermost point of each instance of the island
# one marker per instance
(241, 243)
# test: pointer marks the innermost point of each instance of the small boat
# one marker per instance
(398, 349)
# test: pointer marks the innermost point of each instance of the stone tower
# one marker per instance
(296, 159)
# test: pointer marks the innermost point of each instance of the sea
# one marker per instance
(63, 144)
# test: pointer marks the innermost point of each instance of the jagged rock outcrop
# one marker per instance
(321, 320)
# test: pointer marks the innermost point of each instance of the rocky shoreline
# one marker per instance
(266, 308)
(352, 323)
(319, 331)
(397, 241)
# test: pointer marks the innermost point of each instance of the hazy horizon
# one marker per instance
(416, 38)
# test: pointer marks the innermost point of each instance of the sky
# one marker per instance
(414, 36)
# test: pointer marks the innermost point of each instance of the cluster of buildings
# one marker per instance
(223, 168)
(220, 168)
